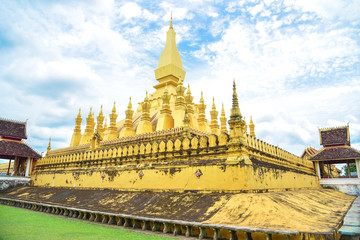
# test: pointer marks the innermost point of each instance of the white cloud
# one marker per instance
(330, 9)
(130, 10)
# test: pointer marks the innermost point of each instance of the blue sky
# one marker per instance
(296, 63)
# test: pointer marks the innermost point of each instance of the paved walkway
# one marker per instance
(351, 227)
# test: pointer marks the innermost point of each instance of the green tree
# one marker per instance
(352, 168)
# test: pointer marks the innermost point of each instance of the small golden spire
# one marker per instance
(129, 105)
(79, 114)
(114, 108)
(202, 98)
(235, 110)
(252, 127)
(214, 123)
(223, 120)
(101, 112)
(49, 146)
(188, 90)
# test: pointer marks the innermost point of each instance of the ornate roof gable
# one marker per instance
(335, 136)
(12, 129)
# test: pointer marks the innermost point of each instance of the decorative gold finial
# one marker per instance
(235, 110)
(114, 108)
(101, 111)
(201, 98)
(129, 105)
(223, 120)
(171, 25)
(252, 127)
(79, 114)
(49, 146)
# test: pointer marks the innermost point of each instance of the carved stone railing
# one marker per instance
(173, 142)
(173, 147)
(278, 155)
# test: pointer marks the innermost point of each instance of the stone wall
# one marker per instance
(349, 186)
(10, 182)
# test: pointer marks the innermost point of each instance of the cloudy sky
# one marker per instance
(296, 63)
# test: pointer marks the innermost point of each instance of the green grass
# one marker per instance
(16, 223)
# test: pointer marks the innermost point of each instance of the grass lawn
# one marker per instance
(16, 223)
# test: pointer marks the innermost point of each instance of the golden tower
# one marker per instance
(76, 137)
(128, 129)
(89, 130)
(214, 122)
(165, 120)
(170, 68)
(223, 121)
(100, 122)
(252, 127)
(145, 125)
(112, 131)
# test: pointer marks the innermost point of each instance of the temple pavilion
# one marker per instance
(13, 147)
(336, 150)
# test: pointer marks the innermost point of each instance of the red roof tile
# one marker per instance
(335, 136)
(17, 148)
(336, 153)
(12, 129)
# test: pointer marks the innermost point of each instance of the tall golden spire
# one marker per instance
(90, 123)
(235, 110)
(128, 129)
(186, 123)
(145, 125)
(49, 146)
(252, 127)
(170, 66)
(113, 133)
(201, 117)
(165, 120)
(170, 54)
(237, 145)
(76, 137)
(179, 110)
(214, 122)
(223, 121)
(237, 124)
(171, 26)
(89, 130)
(100, 122)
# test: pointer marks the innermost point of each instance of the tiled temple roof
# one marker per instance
(336, 153)
(335, 136)
(309, 151)
(10, 148)
(12, 129)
